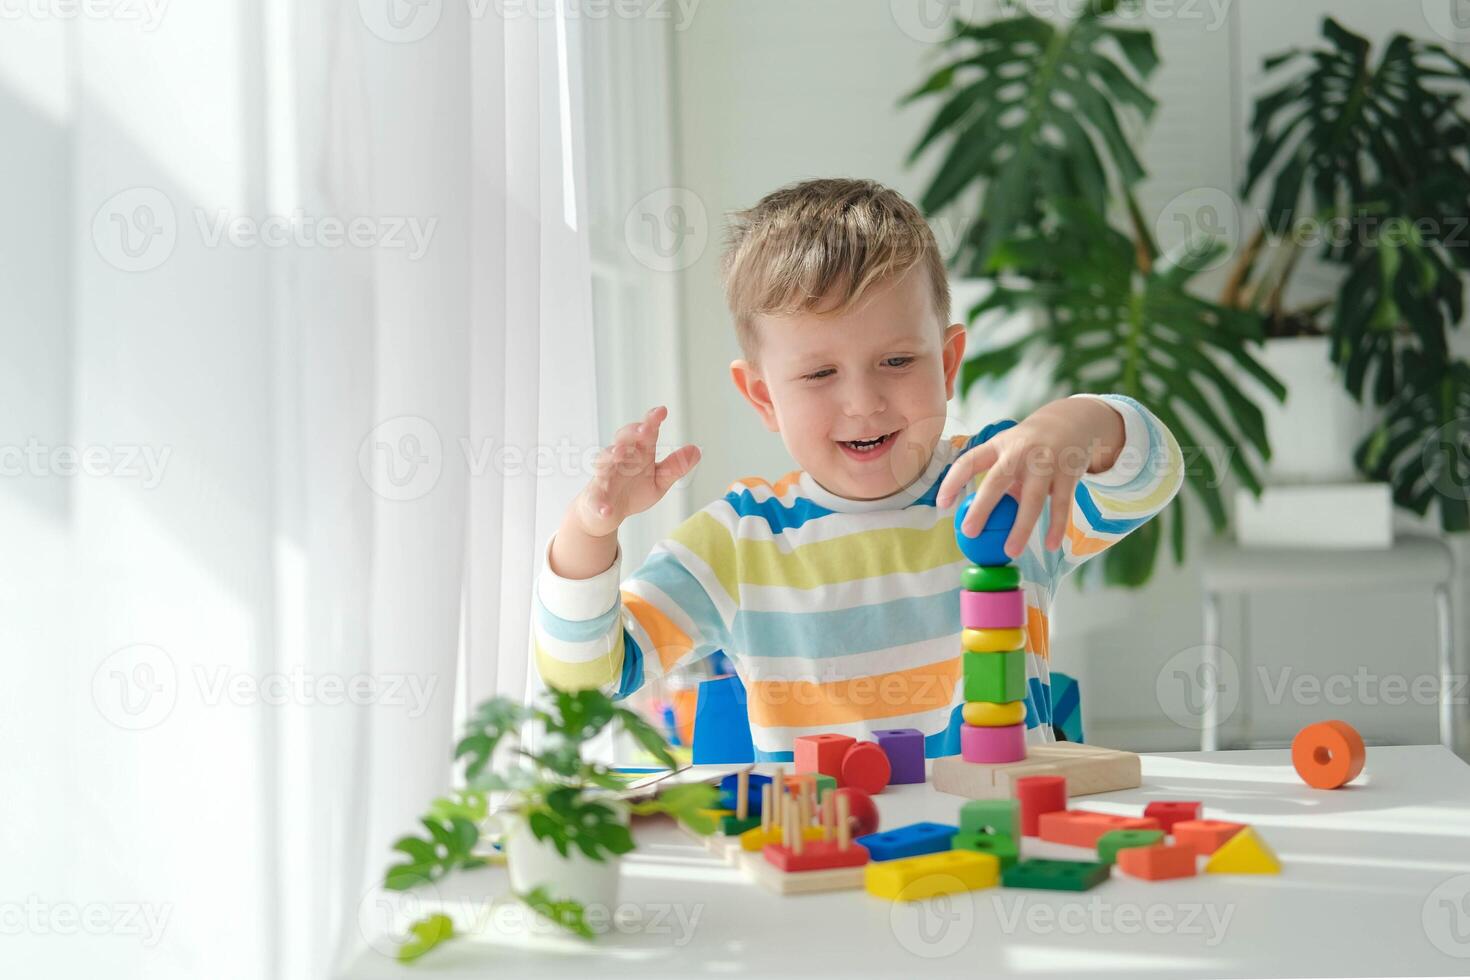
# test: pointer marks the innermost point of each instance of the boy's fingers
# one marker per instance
(992, 488)
(672, 467)
(1061, 513)
(646, 433)
(982, 457)
(1032, 498)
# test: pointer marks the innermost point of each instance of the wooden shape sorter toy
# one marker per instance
(1088, 769)
(796, 865)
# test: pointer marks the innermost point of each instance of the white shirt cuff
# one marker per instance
(577, 599)
(1133, 456)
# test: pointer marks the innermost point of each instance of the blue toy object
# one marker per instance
(730, 792)
(722, 723)
(914, 839)
(987, 547)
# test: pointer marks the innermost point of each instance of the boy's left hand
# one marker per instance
(1041, 458)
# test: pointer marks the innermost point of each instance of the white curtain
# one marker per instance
(297, 372)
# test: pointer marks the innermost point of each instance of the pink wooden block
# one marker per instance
(993, 610)
(1003, 743)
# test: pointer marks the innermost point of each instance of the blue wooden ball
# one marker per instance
(987, 547)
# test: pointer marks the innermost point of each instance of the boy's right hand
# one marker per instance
(629, 479)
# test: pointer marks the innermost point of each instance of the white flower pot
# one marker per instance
(1315, 431)
(532, 862)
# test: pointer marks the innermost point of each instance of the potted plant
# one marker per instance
(562, 827)
(1365, 162)
(1029, 120)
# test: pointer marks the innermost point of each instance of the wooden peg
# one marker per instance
(766, 804)
(742, 796)
(844, 831)
(798, 833)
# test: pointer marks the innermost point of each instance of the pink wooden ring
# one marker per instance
(992, 610)
(991, 746)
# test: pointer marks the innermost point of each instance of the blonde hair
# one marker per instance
(824, 242)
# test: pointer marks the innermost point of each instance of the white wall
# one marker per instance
(769, 92)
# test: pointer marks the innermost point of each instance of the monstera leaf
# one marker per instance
(1113, 328)
(1027, 112)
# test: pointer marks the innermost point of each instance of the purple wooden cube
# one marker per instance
(905, 750)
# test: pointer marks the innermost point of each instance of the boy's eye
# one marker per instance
(899, 361)
(817, 375)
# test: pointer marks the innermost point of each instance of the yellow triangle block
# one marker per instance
(1243, 854)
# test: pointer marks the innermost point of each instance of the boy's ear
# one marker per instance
(750, 384)
(954, 354)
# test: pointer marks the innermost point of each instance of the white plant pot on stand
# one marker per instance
(1314, 495)
(532, 862)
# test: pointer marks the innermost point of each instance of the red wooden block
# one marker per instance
(862, 812)
(1158, 862)
(1205, 836)
(1082, 828)
(816, 855)
(1170, 812)
(1038, 795)
(865, 766)
(821, 753)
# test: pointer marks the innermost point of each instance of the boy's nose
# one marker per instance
(862, 402)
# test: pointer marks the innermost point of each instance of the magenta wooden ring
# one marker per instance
(992, 610)
(1006, 743)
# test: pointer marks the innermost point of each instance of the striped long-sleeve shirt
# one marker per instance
(839, 615)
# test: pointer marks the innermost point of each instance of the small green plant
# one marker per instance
(565, 800)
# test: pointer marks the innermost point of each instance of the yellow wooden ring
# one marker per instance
(990, 714)
(992, 641)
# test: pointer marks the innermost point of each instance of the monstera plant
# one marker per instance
(1366, 160)
(1028, 124)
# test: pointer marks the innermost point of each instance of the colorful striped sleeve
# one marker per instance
(1108, 505)
(674, 610)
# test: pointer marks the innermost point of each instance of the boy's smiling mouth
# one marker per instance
(872, 448)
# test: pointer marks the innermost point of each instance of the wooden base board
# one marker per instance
(772, 878)
(1088, 769)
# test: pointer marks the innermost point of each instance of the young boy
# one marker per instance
(835, 590)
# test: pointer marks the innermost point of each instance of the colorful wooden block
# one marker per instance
(1004, 847)
(821, 753)
(1036, 795)
(993, 610)
(905, 750)
(1083, 828)
(992, 641)
(733, 826)
(990, 578)
(990, 714)
(995, 676)
(862, 812)
(1006, 743)
(721, 733)
(816, 856)
(1328, 755)
(988, 546)
(773, 879)
(865, 766)
(1157, 863)
(944, 873)
(730, 791)
(825, 785)
(991, 817)
(1170, 812)
(1204, 837)
(1062, 876)
(757, 838)
(1243, 854)
(908, 841)
(1109, 844)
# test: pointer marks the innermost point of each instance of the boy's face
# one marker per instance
(880, 370)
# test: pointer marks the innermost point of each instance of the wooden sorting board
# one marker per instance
(1087, 768)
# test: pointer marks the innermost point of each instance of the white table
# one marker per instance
(1376, 882)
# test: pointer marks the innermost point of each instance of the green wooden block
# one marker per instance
(990, 578)
(991, 817)
(733, 826)
(1109, 844)
(1002, 846)
(995, 677)
(1060, 876)
(824, 784)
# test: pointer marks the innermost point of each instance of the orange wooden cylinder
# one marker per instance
(1328, 754)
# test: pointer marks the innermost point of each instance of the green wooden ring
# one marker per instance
(990, 578)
